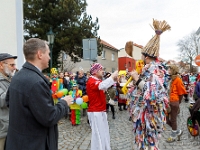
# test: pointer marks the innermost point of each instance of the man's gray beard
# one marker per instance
(8, 72)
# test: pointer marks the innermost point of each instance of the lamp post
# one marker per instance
(50, 37)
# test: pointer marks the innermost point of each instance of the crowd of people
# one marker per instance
(31, 103)
(28, 106)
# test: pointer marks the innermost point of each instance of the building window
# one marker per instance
(113, 57)
(103, 55)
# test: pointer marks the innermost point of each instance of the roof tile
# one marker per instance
(108, 45)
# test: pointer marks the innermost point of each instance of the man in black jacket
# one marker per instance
(33, 115)
(81, 81)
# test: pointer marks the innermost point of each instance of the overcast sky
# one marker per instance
(124, 20)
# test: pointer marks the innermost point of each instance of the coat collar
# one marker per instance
(94, 77)
(30, 66)
(3, 77)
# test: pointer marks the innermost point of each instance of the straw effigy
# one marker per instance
(153, 46)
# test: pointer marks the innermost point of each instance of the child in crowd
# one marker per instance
(75, 108)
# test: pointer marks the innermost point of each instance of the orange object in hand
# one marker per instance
(85, 98)
(59, 94)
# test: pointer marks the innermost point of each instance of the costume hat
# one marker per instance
(95, 68)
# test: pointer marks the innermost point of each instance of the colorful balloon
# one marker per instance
(65, 91)
(196, 127)
(194, 132)
(54, 96)
(59, 94)
(79, 101)
(85, 98)
(84, 105)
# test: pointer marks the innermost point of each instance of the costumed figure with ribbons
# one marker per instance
(57, 89)
(149, 98)
(75, 107)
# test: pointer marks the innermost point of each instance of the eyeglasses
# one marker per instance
(11, 65)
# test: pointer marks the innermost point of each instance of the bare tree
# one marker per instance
(188, 49)
(65, 63)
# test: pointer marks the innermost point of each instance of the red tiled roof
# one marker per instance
(108, 45)
(140, 46)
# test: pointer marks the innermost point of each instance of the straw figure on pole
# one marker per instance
(149, 98)
(153, 46)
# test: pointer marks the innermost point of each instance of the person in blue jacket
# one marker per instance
(197, 89)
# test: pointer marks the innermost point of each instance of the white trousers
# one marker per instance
(100, 139)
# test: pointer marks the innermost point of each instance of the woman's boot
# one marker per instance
(113, 111)
(124, 105)
(172, 137)
(113, 116)
(179, 133)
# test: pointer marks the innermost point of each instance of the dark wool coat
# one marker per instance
(82, 84)
(33, 117)
(112, 94)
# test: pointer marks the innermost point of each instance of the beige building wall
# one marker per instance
(11, 29)
(137, 53)
(8, 27)
(107, 62)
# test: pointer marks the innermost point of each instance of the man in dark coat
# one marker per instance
(33, 115)
(81, 81)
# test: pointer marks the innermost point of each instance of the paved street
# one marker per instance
(78, 137)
